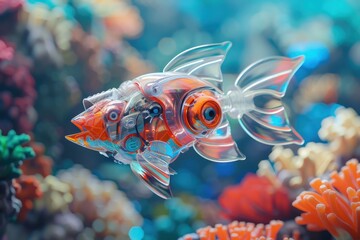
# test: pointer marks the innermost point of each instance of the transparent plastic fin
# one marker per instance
(157, 181)
(275, 119)
(267, 135)
(267, 80)
(113, 94)
(159, 154)
(220, 146)
(269, 75)
(202, 61)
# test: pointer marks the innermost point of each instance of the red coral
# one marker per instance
(17, 92)
(40, 164)
(27, 190)
(256, 200)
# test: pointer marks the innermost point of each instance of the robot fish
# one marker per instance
(148, 121)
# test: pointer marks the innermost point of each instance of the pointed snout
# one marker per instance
(91, 126)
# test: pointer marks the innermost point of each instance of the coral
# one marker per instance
(10, 5)
(40, 164)
(259, 203)
(39, 44)
(317, 88)
(9, 14)
(102, 206)
(17, 92)
(54, 20)
(335, 204)
(87, 51)
(9, 204)
(175, 217)
(12, 154)
(56, 195)
(295, 171)
(27, 190)
(241, 231)
(342, 131)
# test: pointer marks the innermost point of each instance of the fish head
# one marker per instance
(94, 124)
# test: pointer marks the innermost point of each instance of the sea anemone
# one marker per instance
(335, 204)
(255, 199)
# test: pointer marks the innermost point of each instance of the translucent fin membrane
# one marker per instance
(268, 77)
(220, 146)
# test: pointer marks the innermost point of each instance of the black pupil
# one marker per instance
(113, 116)
(209, 114)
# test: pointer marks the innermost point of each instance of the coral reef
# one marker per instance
(260, 203)
(315, 89)
(335, 204)
(17, 91)
(9, 13)
(27, 190)
(295, 171)
(342, 132)
(40, 164)
(242, 231)
(12, 153)
(102, 207)
(56, 195)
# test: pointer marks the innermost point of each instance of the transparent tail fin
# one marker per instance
(265, 81)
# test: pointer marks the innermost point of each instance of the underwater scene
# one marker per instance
(188, 120)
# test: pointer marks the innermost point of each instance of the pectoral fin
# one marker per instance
(152, 166)
(157, 181)
(220, 146)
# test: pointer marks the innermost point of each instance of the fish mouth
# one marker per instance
(81, 137)
(78, 138)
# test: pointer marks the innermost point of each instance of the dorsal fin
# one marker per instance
(202, 61)
(112, 93)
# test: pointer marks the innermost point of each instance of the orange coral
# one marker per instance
(335, 206)
(40, 164)
(240, 231)
(27, 190)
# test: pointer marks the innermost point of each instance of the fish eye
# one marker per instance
(113, 115)
(155, 110)
(209, 114)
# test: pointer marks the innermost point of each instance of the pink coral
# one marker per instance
(17, 91)
(10, 5)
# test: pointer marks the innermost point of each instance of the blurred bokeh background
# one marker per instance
(54, 53)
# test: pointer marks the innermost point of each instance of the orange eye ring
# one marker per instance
(201, 112)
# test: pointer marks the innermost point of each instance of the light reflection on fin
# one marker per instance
(219, 146)
(159, 154)
(157, 181)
